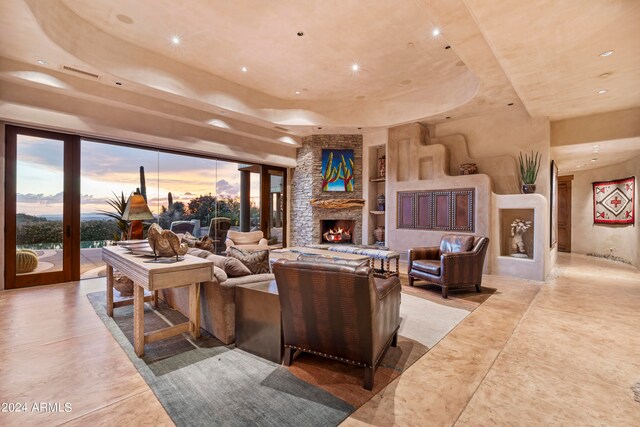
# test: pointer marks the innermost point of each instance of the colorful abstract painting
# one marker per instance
(337, 170)
(613, 201)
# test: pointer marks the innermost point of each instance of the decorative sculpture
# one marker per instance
(518, 228)
(165, 243)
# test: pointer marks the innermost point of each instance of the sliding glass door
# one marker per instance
(41, 207)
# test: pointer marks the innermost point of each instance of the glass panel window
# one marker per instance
(39, 204)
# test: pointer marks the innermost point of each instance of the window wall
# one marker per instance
(177, 187)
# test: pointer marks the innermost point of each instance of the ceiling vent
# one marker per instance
(84, 73)
(281, 128)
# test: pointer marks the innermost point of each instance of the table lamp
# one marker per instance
(136, 211)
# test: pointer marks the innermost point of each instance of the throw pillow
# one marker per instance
(218, 260)
(256, 261)
(219, 274)
(189, 239)
(234, 268)
(205, 243)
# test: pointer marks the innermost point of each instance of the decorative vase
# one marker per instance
(528, 188)
(381, 200)
(382, 166)
(468, 169)
(378, 234)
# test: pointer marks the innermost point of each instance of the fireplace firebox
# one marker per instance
(336, 230)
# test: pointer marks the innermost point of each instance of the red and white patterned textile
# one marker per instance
(613, 201)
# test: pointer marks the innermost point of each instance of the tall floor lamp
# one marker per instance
(136, 211)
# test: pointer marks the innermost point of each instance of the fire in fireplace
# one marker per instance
(336, 230)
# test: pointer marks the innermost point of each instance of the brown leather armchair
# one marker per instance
(337, 311)
(456, 263)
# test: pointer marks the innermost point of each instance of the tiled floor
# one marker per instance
(560, 353)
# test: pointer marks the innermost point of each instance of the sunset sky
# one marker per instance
(111, 168)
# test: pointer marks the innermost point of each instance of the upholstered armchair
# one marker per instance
(456, 263)
(247, 240)
(192, 227)
(337, 311)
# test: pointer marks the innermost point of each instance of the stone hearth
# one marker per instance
(306, 182)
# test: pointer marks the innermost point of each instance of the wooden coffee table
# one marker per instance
(152, 276)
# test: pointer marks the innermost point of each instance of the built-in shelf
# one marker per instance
(379, 179)
(376, 212)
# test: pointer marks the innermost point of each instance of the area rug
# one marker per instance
(203, 382)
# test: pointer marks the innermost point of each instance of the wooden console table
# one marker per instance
(153, 276)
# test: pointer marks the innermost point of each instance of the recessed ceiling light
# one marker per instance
(594, 160)
(448, 117)
(175, 40)
(411, 44)
(355, 67)
(42, 62)
(435, 32)
(118, 83)
(601, 91)
(300, 34)
(447, 47)
(510, 104)
(578, 166)
(297, 92)
(607, 53)
(604, 75)
(319, 128)
(244, 69)
(359, 128)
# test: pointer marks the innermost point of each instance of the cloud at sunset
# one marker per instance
(113, 169)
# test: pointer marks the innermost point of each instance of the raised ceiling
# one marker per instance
(392, 45)
(549, 52)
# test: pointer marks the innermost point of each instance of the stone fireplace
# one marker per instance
(337, 230)
(306, 184)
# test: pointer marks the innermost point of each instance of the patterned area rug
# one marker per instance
(204, 382)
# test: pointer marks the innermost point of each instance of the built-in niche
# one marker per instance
(517, 231)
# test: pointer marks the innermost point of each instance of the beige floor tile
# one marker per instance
(436, 388)
(525, 391)
(140, 410)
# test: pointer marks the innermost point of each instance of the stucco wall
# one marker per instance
(586, 237)
(504, 134)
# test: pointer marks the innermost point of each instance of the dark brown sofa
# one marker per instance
(456, 263)
(337, 311)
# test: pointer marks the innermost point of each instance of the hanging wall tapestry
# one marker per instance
(613, 201)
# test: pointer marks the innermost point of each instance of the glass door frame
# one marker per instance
(71, 210)
(265, 201)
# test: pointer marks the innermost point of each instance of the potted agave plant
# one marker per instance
(529, 167)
